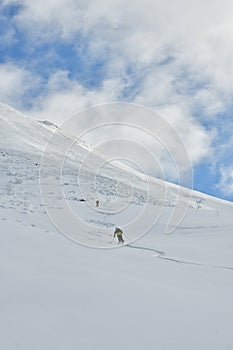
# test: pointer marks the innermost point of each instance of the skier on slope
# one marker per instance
(118, 232)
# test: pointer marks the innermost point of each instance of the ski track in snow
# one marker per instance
(161, 255)
(194, 263)
(146, 249)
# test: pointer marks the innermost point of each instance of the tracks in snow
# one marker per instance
(178, 261)
(161, 255)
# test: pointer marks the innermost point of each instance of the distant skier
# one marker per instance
(118, 232)
(198, 203)
(97, 203)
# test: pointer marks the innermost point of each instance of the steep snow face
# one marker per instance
(19, 132)
(73, 176)
(162, 291)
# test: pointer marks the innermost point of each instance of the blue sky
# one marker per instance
(58, 57)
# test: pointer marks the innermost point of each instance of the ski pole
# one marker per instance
(112, 240)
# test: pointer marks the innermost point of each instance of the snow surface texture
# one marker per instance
(161, 292)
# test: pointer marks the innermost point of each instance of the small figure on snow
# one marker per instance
(97, 203)
(118, 232)
(198, 203)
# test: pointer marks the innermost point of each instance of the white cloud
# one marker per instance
(140, 35)
(14, 83)
(196, 139)
(225, 184)
(63, 97)
(48, 19)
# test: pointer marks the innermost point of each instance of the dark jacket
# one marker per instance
(118, 232)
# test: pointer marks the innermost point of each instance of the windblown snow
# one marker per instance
(161, 291)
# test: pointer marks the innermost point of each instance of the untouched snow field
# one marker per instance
(162, 291)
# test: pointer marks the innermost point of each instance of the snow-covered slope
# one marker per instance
(162, 291)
